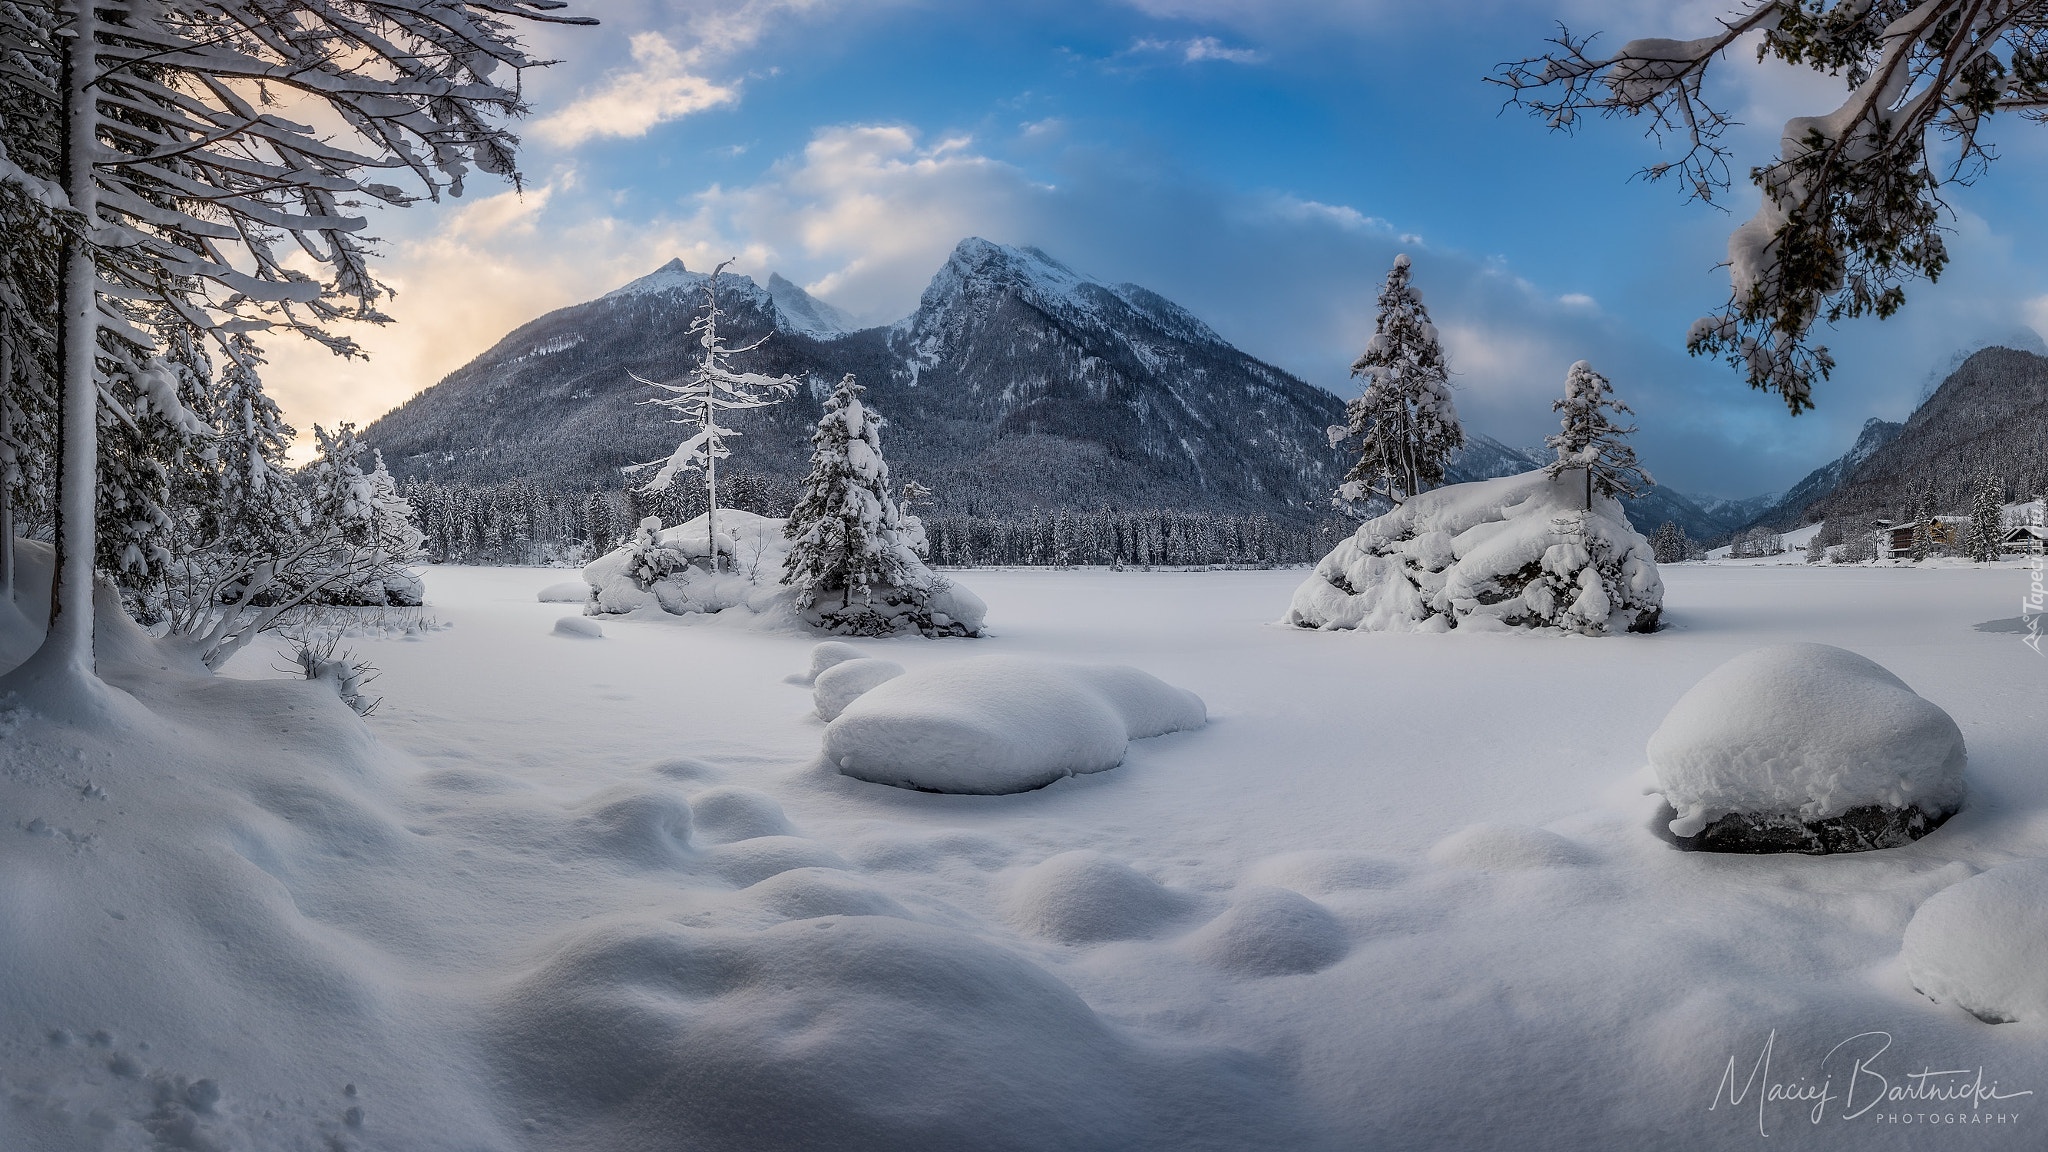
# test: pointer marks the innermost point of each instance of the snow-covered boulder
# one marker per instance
(670, 569)
(1518, 551)
(1978, 944)
(1003, 724)
(1806, 748)
(845, 682)
(566, 592)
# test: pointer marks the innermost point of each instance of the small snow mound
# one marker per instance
(566, 592)
(746, 863)
(581, 627)
(1084, 897)
(685, 768)
(809, 893)
(1321, 871)
(828, 654)
(842, 684)
(1516, 551)
(998, 725)
(1271, 932)
(1978, 944)
(637, 826)
(729, 814)
(1805, 733)
(1506, 848)
(858, 1034)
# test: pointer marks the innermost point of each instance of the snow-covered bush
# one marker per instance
(319, 655)
(670, 569)
(1806, 748)
(1001, 724)
(1517, 551)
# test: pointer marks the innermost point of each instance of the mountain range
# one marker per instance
(1016, 384)
(1990, 415)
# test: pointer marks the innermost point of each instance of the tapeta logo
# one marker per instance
(1861, 1080)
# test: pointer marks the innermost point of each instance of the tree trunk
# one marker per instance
(67, 647)
(1589, 487)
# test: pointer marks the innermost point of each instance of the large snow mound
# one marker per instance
(1518, 551)
(1806, 732)
(1979, 944)
(1003, 724)
(671, 572)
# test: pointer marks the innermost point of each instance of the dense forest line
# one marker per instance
(520, 523)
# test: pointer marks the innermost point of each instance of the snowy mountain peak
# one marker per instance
(670, 277)
(798, 311)
(981, 272)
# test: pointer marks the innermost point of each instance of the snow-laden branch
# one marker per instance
(1851, 206)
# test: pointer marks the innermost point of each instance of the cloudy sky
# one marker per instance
(1258, 161)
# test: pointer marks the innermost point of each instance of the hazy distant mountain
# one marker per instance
(1789, 511)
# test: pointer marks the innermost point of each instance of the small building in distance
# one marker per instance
(1944, 533)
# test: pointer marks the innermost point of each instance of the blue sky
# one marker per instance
(1259, 162)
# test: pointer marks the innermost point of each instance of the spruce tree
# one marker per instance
(1590, 441)
(1923, 517)
(847, 528)
(1405, 422)
(1987, 509)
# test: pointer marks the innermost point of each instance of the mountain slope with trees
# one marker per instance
(1989, 416)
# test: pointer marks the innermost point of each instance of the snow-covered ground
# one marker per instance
(1401, 891)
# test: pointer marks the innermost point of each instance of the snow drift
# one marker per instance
(1519, 551)
(1807, 748)
(669, 569)
(1002, 724)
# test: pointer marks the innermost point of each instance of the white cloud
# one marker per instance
(1196, 50)
(664, 86)
(671, 76)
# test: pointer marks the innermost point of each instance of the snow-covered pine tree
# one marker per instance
(597, 524)
(1987, 520)
(712, 387)
(1670, 543)
(174, 186)
(1404, 420)
(1589, 441)
(847, 530)
(1923, 519)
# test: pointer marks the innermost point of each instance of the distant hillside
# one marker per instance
(1789, 511)
(1990, 415)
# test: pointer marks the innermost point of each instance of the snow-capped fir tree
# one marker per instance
(1923, 522)
(1589, 441)
(597, 523)
(1670, 545)
(171, 185)
(712, 387)
(1405, 422)
(1987, 520)
(848, 533)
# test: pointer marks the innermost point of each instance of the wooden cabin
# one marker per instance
(1944, 532)
(2026, 539)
